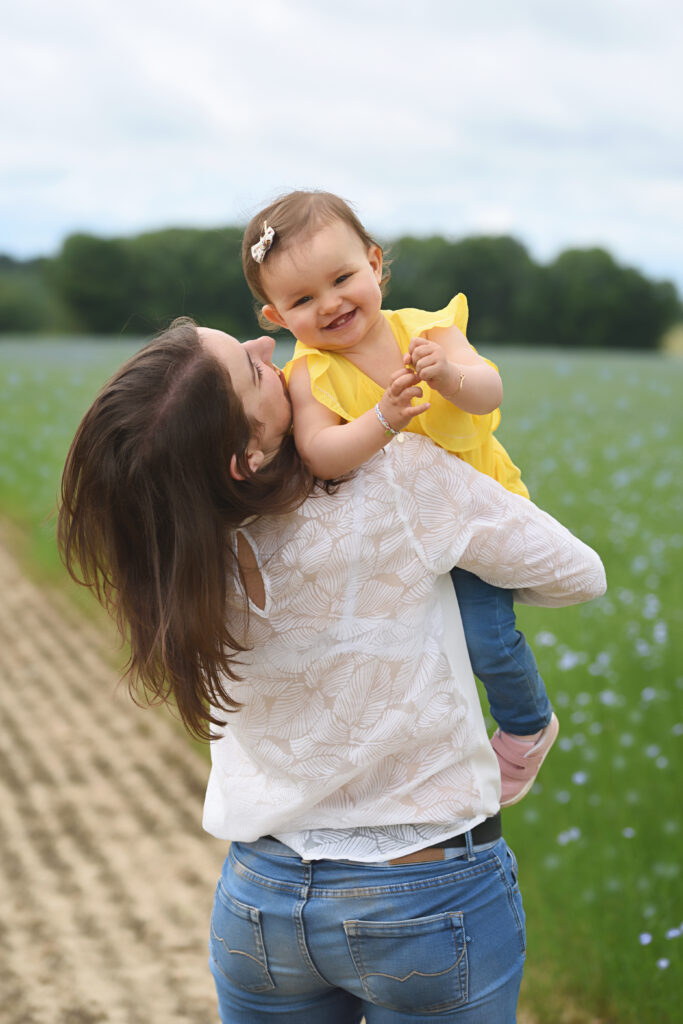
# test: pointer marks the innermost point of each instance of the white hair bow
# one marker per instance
(258, 251)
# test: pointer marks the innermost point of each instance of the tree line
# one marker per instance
(136, 285)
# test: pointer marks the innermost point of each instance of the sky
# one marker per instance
(558, 123)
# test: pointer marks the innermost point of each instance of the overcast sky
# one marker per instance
(559, 123)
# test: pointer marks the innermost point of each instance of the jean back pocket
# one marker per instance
(417, 966)
(236, 943)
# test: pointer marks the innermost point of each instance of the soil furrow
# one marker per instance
(107, 877)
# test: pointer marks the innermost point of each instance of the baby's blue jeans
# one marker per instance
(500, 655)
(328, 942)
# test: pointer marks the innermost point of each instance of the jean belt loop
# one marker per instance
(469, 845)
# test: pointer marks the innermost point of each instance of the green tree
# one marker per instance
(496, 274)
(191, 272)
(25, 301)
(585, 299)
(139, 284)
(419, 273)
(582, 299)
(96, 280)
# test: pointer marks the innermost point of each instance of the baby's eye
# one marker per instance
(259, 371)
(301, 301)
(342, 278)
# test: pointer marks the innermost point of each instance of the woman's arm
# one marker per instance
(534, 555)
(459, 516)
(446, 361)
(332, 448)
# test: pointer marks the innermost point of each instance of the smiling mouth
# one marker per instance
(340, 321)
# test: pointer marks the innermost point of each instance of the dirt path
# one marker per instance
(107, 878)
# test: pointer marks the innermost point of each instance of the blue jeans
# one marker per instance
(500, 655)
(328, 942)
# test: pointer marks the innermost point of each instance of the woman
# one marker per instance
(313, 632)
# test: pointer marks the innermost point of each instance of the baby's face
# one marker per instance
(325, 289)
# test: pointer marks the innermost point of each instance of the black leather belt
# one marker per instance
(486, 831)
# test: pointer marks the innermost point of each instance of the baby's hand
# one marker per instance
(430, 364)
(395, 404)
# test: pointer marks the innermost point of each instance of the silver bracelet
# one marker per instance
(388, 429)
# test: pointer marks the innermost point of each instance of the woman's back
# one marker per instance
(351, 714)
(359, 705)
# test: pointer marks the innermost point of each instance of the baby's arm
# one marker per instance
(329, 446)
(446, 361)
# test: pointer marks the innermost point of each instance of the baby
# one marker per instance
(315, 271)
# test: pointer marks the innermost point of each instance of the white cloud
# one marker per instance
(560, 124)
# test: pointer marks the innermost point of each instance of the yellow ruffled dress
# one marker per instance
(340, 386)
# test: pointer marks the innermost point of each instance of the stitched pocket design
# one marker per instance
(236, 943)
(417, 966)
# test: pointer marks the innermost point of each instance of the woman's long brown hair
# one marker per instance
(148, 512)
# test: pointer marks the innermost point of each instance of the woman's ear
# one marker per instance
(234, 471)
(375, 259)
(271, 314)
(254, 460)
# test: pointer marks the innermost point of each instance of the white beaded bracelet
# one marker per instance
(388, 429)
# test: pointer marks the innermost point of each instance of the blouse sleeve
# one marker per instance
(458, 516)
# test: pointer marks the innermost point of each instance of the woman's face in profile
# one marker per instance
(258, 384)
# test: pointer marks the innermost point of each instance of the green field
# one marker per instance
(599, 838)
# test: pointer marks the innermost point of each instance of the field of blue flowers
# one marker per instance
(599, 439)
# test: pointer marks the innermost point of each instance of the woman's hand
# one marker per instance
(396, 402)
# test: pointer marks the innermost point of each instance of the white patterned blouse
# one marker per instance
(361, 735)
